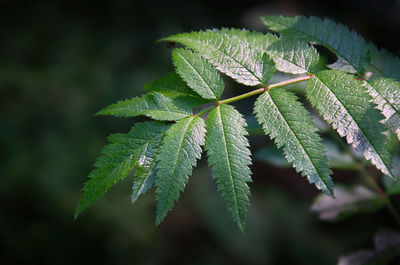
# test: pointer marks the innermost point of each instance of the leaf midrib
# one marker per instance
(229, 56)
(176, 162)
(229, 165)
(151, 164)
(301, 144)
(355, 121)
(199, 75)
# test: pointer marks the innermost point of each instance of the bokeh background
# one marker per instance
(61, 61)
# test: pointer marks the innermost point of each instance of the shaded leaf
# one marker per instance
(153, 105)
(351, 48)
(118, 159)
(198, 74)
(387, 247)
(348, 202)
(384, 62)
(171, 85)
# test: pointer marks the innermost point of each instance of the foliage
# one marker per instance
(360, 106)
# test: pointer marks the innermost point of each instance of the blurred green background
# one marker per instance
(61, 61)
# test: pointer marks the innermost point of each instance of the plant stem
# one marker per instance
(243, 96)
(371, 181)
(289, 82)
(256, 92)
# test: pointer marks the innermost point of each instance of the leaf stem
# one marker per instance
(289, 82)
(256, 92)
(243, 96)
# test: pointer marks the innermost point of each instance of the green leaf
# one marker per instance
(171, 85)
(384, 62)
(180, 148)
(385, 94)
(348, 202)
(198, 74)
(229, 157)
(153, 105)
(119, 158)
(293, 56)
(231, 51)
(268, 68)
(344, 103)
(145, 166)
(289, 123)
(351, 48)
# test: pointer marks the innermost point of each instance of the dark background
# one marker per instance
(61, 61)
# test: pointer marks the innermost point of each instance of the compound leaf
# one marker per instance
(229, 157)
(289, 123)
(124, 152)
(238, 54)
(344, 103)
(293, 56)
(385, 94)
(181, 147)
(153, 105)
(351, 48)
(198, 74)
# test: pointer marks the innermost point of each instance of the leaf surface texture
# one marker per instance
(288, 122)
(180, 149)
(229, 157)
(344, 103)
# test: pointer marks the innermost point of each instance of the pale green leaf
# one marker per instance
(153, 105)
(293, 56)
(289, 123)
(181, 147)
(385, 94)
(229, 157)
(351, 48)
(118, 159)
(198, 74)
(348, 202)
(238, 54)
(344, 103)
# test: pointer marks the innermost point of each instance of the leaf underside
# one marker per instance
(229, 157)
(385, 94)
(344, 103)
(198, 74)
(351, 48)
(232, 52)
(289, 123)
(181, 147)
(124, 152)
